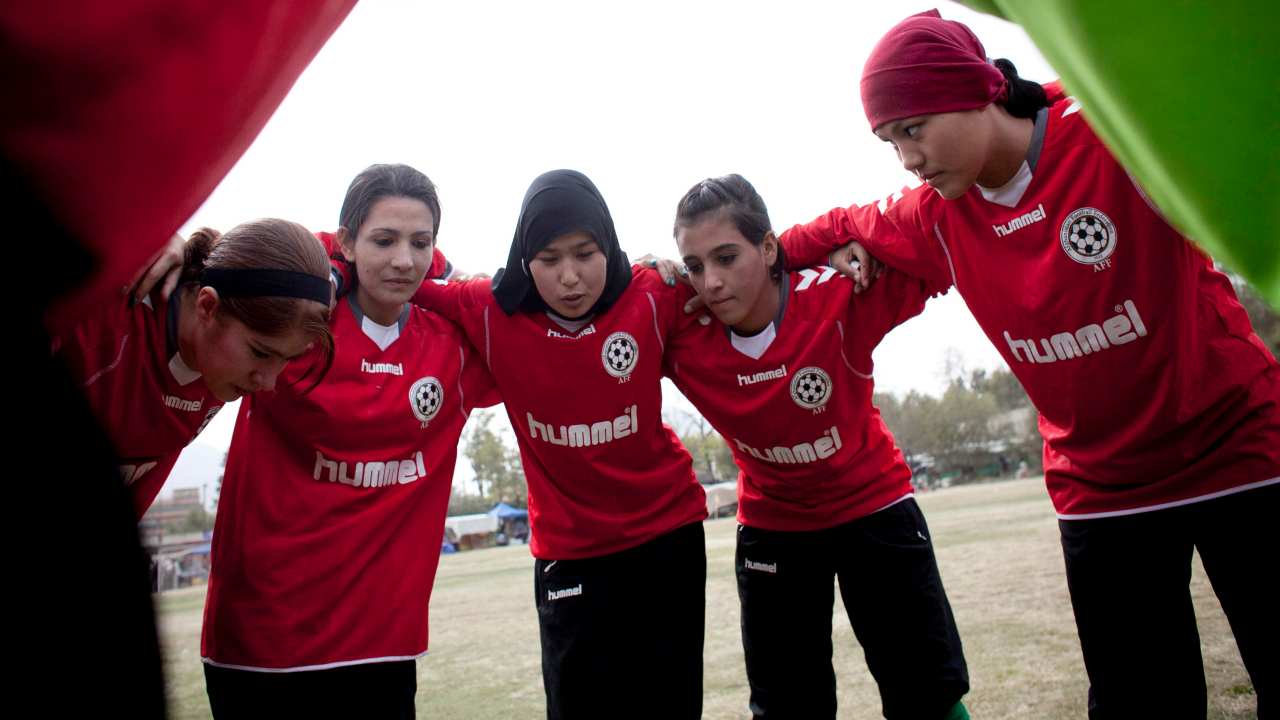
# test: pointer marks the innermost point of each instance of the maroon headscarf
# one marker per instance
(928, 65)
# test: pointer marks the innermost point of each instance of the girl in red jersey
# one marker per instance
(784, 374)
(155, 372)
(575, 338)
(333, 502)
(1159, 406)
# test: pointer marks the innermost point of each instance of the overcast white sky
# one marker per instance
(646, 99)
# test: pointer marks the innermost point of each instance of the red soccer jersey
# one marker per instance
(333, 502)
(796, 410)
(604, 473)
(151, 405)
(1152, 388)
(100, 113)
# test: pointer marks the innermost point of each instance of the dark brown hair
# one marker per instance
(736, 200)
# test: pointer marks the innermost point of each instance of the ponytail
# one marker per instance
(1025, 98)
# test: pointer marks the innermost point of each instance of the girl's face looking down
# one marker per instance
(392, 252)
(729, 273)
(569, 274)
(234, 360)
(949, 151)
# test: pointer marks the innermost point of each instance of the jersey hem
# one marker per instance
(1167, 505)
(307, 668)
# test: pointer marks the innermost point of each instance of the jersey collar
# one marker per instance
(1010, 194)
(182, 372)
(381, 335)
(755, 346)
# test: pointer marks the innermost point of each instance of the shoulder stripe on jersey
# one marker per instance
(1037, 138)
(119, 355)
(1146, 198)
(845, 358)
(488, 359)
(950, 265)
(888, 201)
(662, 347)
(462, 397)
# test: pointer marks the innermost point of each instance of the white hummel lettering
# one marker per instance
(821, 449)
(370, 474)
(1120, 329)
(1020, 222)
(777, 373)
(771, 568)
(584, 435)
(567, 592)
(177, 403)
(381, 368)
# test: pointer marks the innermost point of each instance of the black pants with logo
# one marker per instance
(1129, 579)
(382, 690)
(893, 594)
(622, 633)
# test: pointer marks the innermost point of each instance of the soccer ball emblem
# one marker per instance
(425, 398)
(811, 387)
(619, 354)
(1088, 236)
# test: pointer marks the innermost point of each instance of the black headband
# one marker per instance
(255, 282)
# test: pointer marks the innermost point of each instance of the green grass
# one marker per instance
(998, 549)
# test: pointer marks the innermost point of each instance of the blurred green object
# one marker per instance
(1186, 93)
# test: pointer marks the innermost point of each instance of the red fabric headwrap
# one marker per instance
(928, 65)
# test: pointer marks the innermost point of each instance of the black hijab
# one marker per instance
(557, 203)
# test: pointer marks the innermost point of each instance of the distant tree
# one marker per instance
(1266, 321)
(1031, 448)
(465, 504)
(510, 486)
(1022, 435)
(497, 468)
(217, 484)
(957, 434)
(712, 459)
(196, 520)
(1002, 386)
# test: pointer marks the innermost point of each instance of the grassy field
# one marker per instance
(998, 549)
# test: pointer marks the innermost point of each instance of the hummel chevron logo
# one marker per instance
(811, 274)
